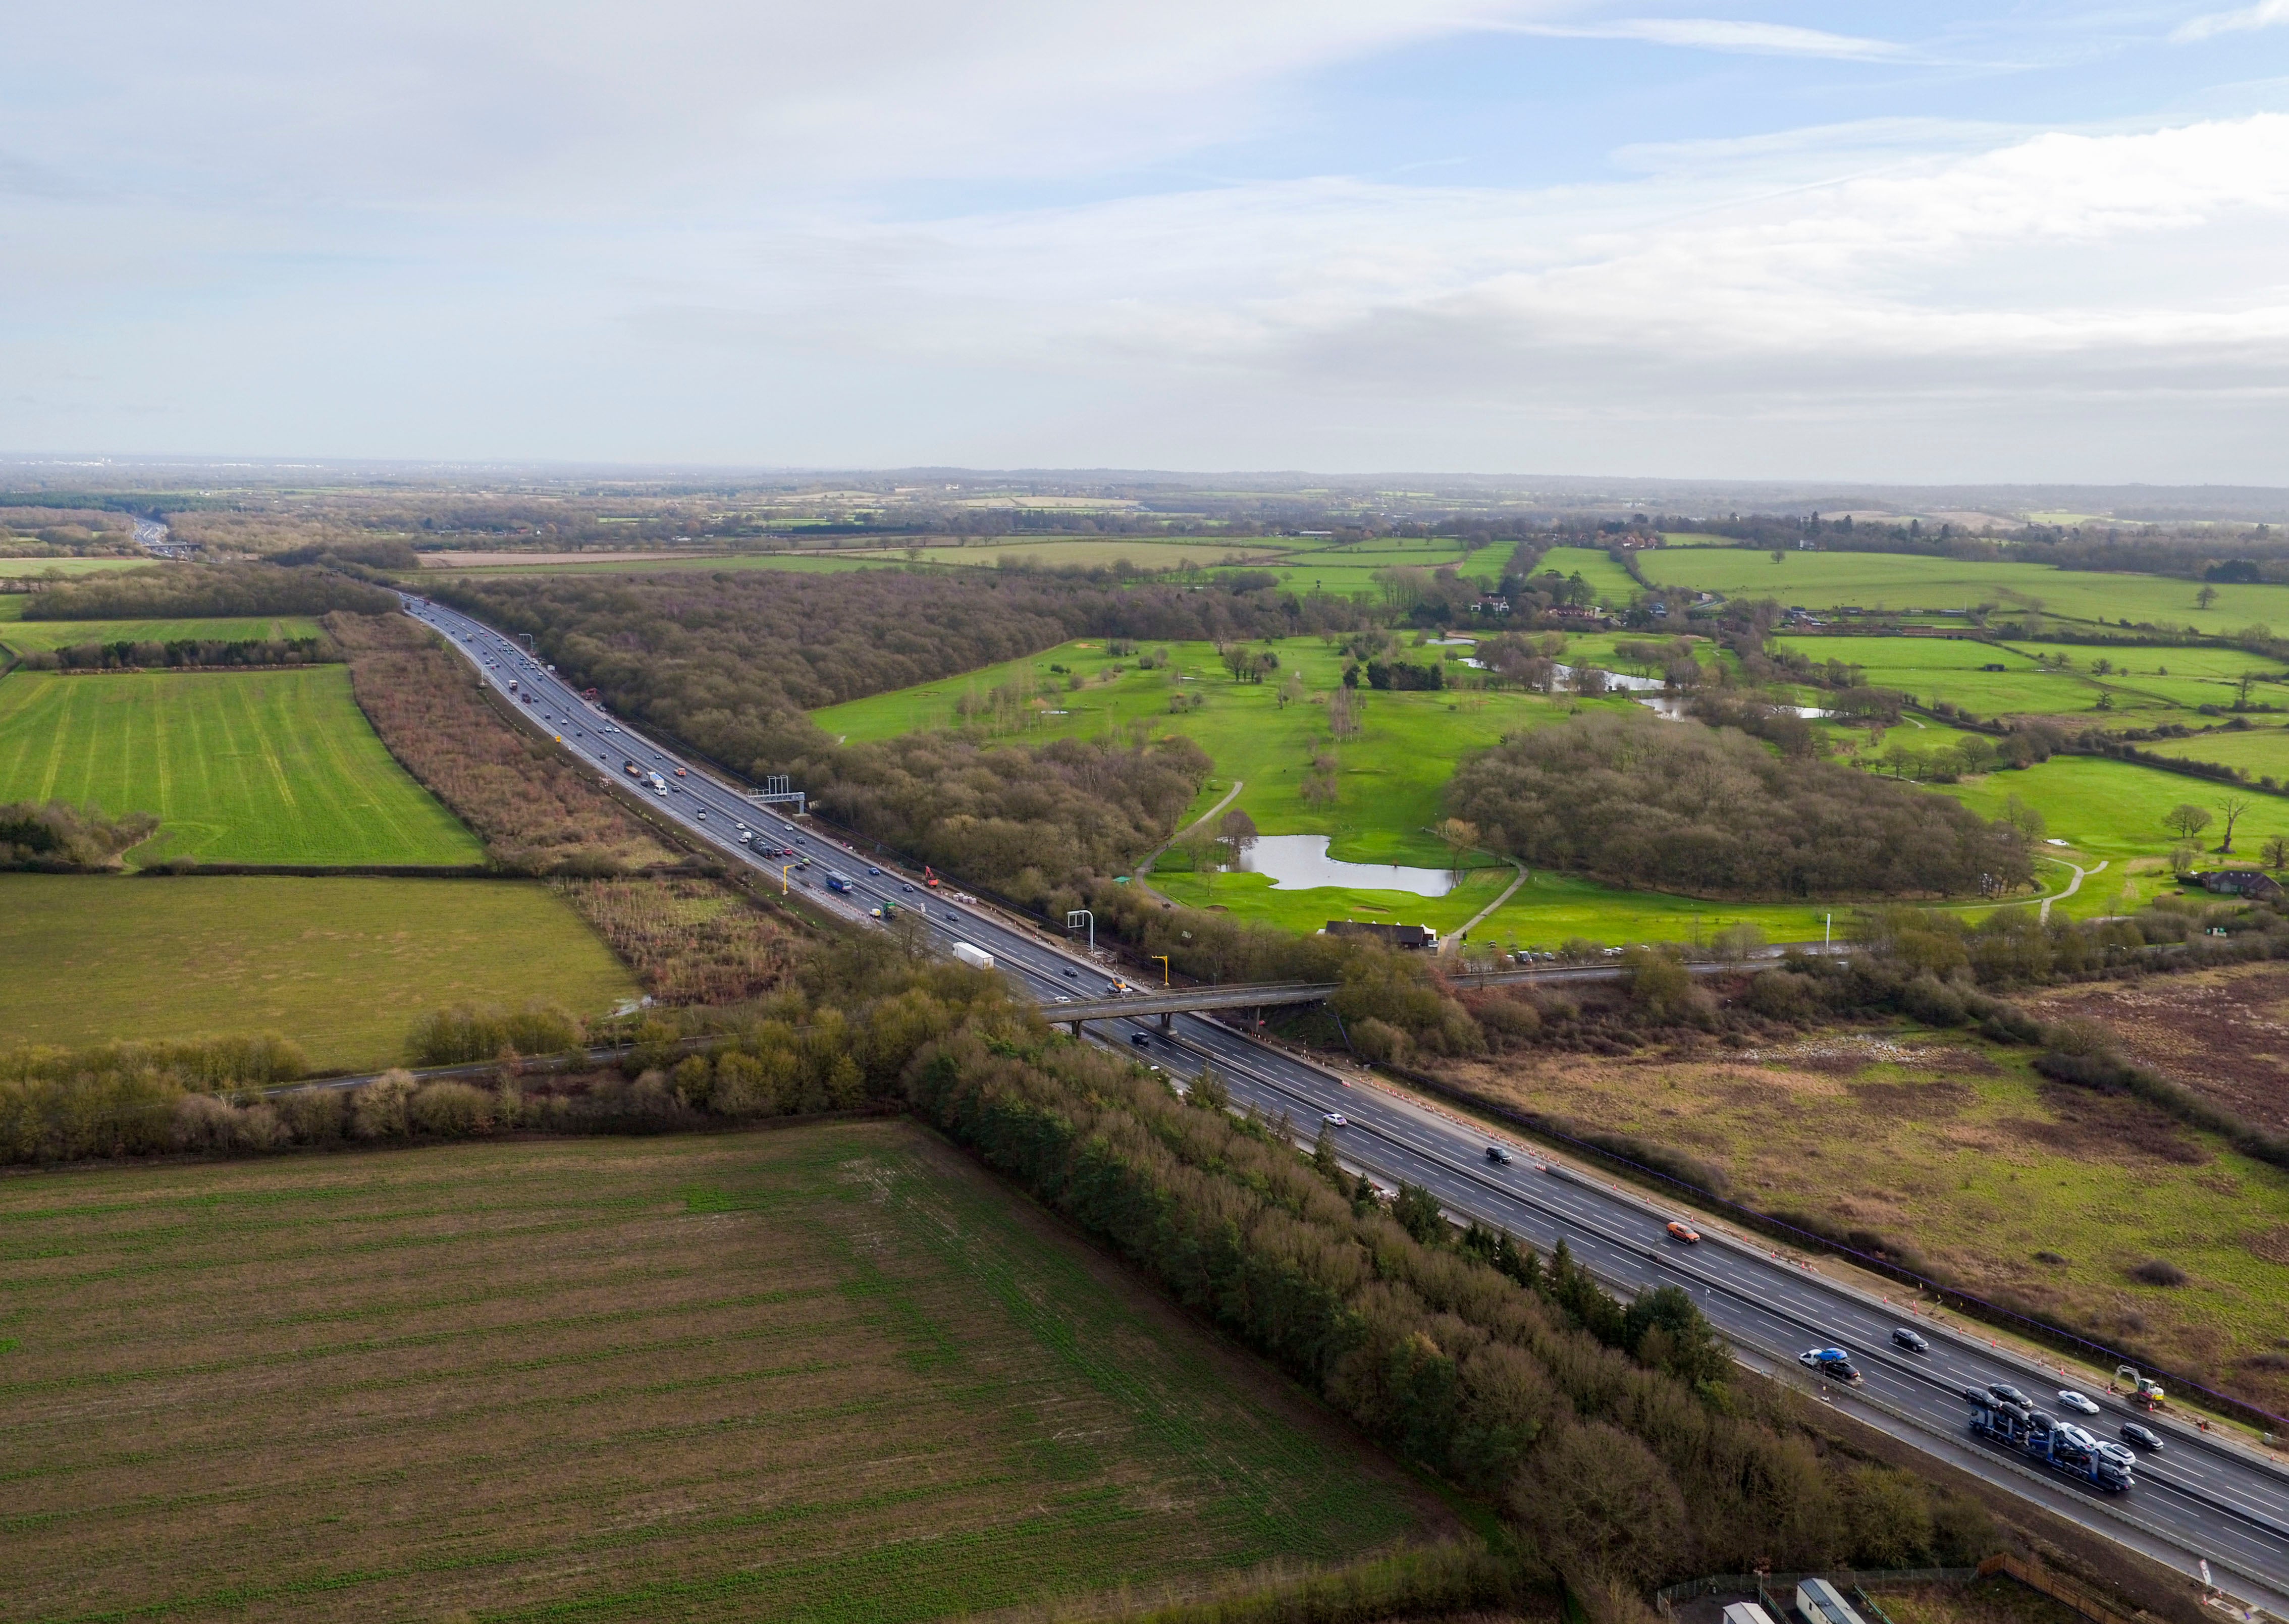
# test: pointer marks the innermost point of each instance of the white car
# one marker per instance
(1335, 1118)
(2071, 1400)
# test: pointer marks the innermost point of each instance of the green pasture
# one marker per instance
(1695, 538)
(2048, 678)
(36, 567)
(13, 604)
(1607, 578)
(1898, 581)
(340, 965)
(2114, 809)
(29, 634)
(2261, 751)
(1093, 552)
(239, 767)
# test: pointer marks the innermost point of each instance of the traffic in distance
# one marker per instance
(2210, 1501)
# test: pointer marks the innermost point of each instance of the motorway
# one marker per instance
(2199, 1498)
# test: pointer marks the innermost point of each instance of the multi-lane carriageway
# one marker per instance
(2202, 1497)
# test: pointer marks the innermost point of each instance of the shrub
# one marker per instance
(450, 1110)
(2158, 1271)
(379, 1110)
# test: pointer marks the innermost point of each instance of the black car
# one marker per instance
(2145, 1437)
(1912, 1341)
(2008, 1394)
(1499, 1156)
(1073, 974)
(1140, 1040)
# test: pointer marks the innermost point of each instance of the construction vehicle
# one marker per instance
(976, 957)
(2147, 1394)
(929, 877)
(2060, 1445)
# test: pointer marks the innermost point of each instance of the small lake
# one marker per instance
(1674, 707)
(1301, 861)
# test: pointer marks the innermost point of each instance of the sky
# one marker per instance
(1932, 242)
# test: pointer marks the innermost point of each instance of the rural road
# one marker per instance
(2074, 884)
(2203, 1497)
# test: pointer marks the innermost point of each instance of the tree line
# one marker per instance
(131, 654)
(206, 592)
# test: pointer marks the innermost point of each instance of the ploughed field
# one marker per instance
(238, 766)
(340, 965)
(833, 1372)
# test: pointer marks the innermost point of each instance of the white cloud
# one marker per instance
(2264, 14)
(1717, 33)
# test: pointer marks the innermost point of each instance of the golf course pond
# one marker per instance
(1301, 861)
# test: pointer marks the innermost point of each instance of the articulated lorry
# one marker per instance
(2060, 1445)
(976, 957)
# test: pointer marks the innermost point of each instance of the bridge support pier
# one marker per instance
(1076, 1027)
(1168, 1020)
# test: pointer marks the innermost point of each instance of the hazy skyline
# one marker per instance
(1947, 242)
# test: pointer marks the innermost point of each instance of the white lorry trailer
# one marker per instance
(976, 958)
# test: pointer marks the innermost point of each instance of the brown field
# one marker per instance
(479, 561)
(2222, 1033)
(1956, 1160)
(831, 1370)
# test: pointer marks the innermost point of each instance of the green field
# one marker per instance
(1933, 669)
(1607, 578)
(35, 567)
(340, 965)
(29, 634)
(239, 767)
(2261, 751)
(1896, 581)
(2115, 808)
(834, 1373)
(12, 605)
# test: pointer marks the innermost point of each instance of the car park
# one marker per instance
(1684, 1232)
(2068, 1399)
(1912, 1341)
(2145, 1437)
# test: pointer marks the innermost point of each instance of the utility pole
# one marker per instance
(1163, 958)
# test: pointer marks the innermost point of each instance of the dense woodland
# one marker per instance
(1642, 802)
(180, 654)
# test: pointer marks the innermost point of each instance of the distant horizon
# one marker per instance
(1948, 242)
